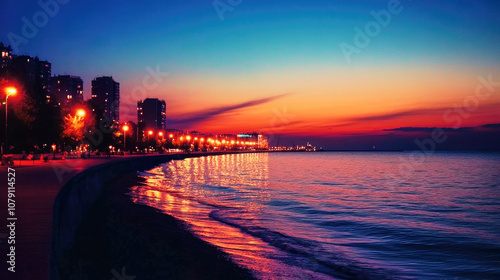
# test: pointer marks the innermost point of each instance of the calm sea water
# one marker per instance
(340, 215)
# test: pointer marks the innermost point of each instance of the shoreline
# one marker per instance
(115, 237)
(37, 189)
(78, 195)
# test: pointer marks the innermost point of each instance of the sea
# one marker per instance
(339, 215)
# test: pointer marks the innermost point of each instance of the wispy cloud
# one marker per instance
(189, 119)
(396, 115)
(493, 126)
(437, 111)
(429, 129)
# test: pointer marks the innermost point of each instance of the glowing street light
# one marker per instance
(188, 138)
(171, 136)
(80, 113)
(161, 134)
(125, 129)
(150, 132)
(9, 91)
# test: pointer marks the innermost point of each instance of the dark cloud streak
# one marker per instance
(202, 116)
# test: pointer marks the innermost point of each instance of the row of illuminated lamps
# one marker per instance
(188, 138)
(81, 113)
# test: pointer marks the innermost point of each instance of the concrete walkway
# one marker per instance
(37, 185)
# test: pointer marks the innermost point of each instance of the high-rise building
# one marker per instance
(66, 90)
(24, 67)
(151, 114)
(106, 98)
(34, 74)
(43, 74)
(6, 57)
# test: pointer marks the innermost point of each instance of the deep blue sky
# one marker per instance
(90, 38)
(221, 60)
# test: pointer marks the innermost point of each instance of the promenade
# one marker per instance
(37, 185)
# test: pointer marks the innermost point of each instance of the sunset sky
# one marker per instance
(277, 66)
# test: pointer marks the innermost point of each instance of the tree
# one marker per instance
(75, 126)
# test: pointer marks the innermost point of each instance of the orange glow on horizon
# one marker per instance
(327, 101)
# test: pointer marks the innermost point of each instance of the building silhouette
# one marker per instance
(66, 90)
(151, 114)
(6, 57)
(105, 98)
(34, 74)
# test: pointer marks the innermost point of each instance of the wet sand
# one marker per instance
(119, 239)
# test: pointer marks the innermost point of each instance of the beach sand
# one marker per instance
(119, 239)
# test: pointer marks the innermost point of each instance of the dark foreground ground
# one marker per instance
(119, 240)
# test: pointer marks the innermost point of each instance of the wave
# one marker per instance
(312, 255)
(146, 174)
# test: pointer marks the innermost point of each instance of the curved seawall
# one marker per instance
(77, 196)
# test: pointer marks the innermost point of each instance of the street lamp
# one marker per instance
(54, 150)
(125, 129)
(149, 134)
(9, 91)
(161, 143)
(80, 113)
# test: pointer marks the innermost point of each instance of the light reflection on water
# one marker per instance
(338, 215)
(175, 189)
